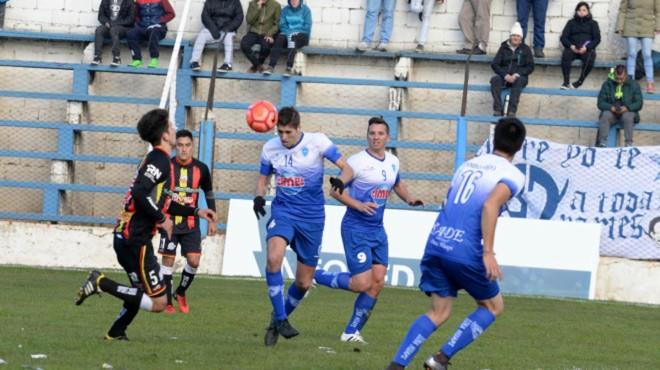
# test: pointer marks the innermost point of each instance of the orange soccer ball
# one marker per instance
(261, 116)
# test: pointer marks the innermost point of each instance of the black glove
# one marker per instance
(416, 203)
(337, 184)
(258, 207)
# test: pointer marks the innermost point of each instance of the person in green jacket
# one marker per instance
(619, 101)
(262, 18)
(639, 20)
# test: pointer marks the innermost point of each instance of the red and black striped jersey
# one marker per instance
(189, 180)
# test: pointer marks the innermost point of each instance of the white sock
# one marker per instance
(146, 303)
(166, 270)
(189, 269)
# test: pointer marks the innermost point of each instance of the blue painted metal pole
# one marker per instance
(461, 141)
(611, 136)
(205, 154)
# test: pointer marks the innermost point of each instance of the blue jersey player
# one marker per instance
(459, 252)
(375, 175)
(298, 213)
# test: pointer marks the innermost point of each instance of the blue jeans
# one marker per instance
(538, 9)
(374, 7)
(647, 43)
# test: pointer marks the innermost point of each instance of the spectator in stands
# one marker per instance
(474, 19)
(151, 25)
(425, 9)
(580, 37)
(375, 7)
(295, 29)
(116, 18)
(639, 20)
(539, 9)
(619, 101)
(220, 19)
(512, 64)
(263, 17)
(3, 4)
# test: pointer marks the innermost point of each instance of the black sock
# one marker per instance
(123, 292)
(168, 288)
(126, 316)
(186, 280)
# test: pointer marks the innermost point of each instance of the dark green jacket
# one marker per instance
(632, 97)
(264, 21)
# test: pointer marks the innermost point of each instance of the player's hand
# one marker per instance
(167, 227)
(212, 229)
(416, 203)
(493, 271)
(258, 206)
(208, 215)
(337, 185)
(367, 207)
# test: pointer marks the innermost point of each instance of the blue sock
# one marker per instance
(361, 311)
(469, 330)
(293, 298)
(335, 280)
(276, 293)
(419, 332)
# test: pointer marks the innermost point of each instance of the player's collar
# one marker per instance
(373, 156)
(183, 163)
(162, 150)
(302, 135)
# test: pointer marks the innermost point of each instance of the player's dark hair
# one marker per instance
(288, 116)
(184, 133)
(581, 4)
(620, 69)
(152, 126)
(378, 121)
(509, 135)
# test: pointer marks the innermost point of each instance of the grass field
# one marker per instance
(226, 325)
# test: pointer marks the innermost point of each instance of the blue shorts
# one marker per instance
(446, 277)
(304, 237)
(364, 248)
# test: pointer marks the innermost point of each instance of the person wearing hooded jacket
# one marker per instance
(619, 101)
(512, 64)
(151, 18)
(295, 29)
(220, 19)
(116, 18)
(580, 37)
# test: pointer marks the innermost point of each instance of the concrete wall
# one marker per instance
(34, 244)
(338, 23)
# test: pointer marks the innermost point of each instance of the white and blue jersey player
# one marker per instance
(375, 175)
(459, 252)
(297, 212)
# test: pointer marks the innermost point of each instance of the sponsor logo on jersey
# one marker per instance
(152, 173)
(290, 182)
(380, 194)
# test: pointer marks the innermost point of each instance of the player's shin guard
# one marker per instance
(275, 283)
(187, 277)
(167, 279)
(364, 303)
(469, 330)
(419, 332)
(126, 316)
(293, 298)
(335, 280)
(127, 294)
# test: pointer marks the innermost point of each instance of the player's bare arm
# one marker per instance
(402, 191)
(491, 210)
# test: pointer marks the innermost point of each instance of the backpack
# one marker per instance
(639, 63)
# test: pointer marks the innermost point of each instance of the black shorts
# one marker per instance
(191, 243)
(140, 264)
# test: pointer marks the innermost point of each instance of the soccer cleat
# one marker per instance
(169, 309)
(394, 366)
(136, 63)
(116, 62)
(286, 329)
(120, 337)
(353, 338)
(183, 303)
(90, 287)
(270, 339)
(439, 361)
(153, 63)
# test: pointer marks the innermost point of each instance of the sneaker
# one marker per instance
(195, 66)
(136, 63)
(267, 70)
(381, 46)
(288, 72)
(566, 86)
(224, 68)
(96, 61)
(601, 145)
(362, 46)
(394, 366)
(89, 287)
(497, 113)
(538, 53)
(252, 69)
(153, 63)
(116, 62)
(478, 51)
(511, 114)
(270, 339)
(464, 51)
(284, 328)
(352, 338)
(419, 48)
(183, 303)
(120, 337)
(436, 362)
(577, 84)
(169, 309)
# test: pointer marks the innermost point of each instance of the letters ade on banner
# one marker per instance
(618, 188)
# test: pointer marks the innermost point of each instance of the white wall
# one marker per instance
(337, 23)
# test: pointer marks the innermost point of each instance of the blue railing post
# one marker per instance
(461, 141)
(205, 154)
(288, 92)
(81, 81)
(51, 201)
(392, 120)
(611, 136)
(184, 87)
(65, 143)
